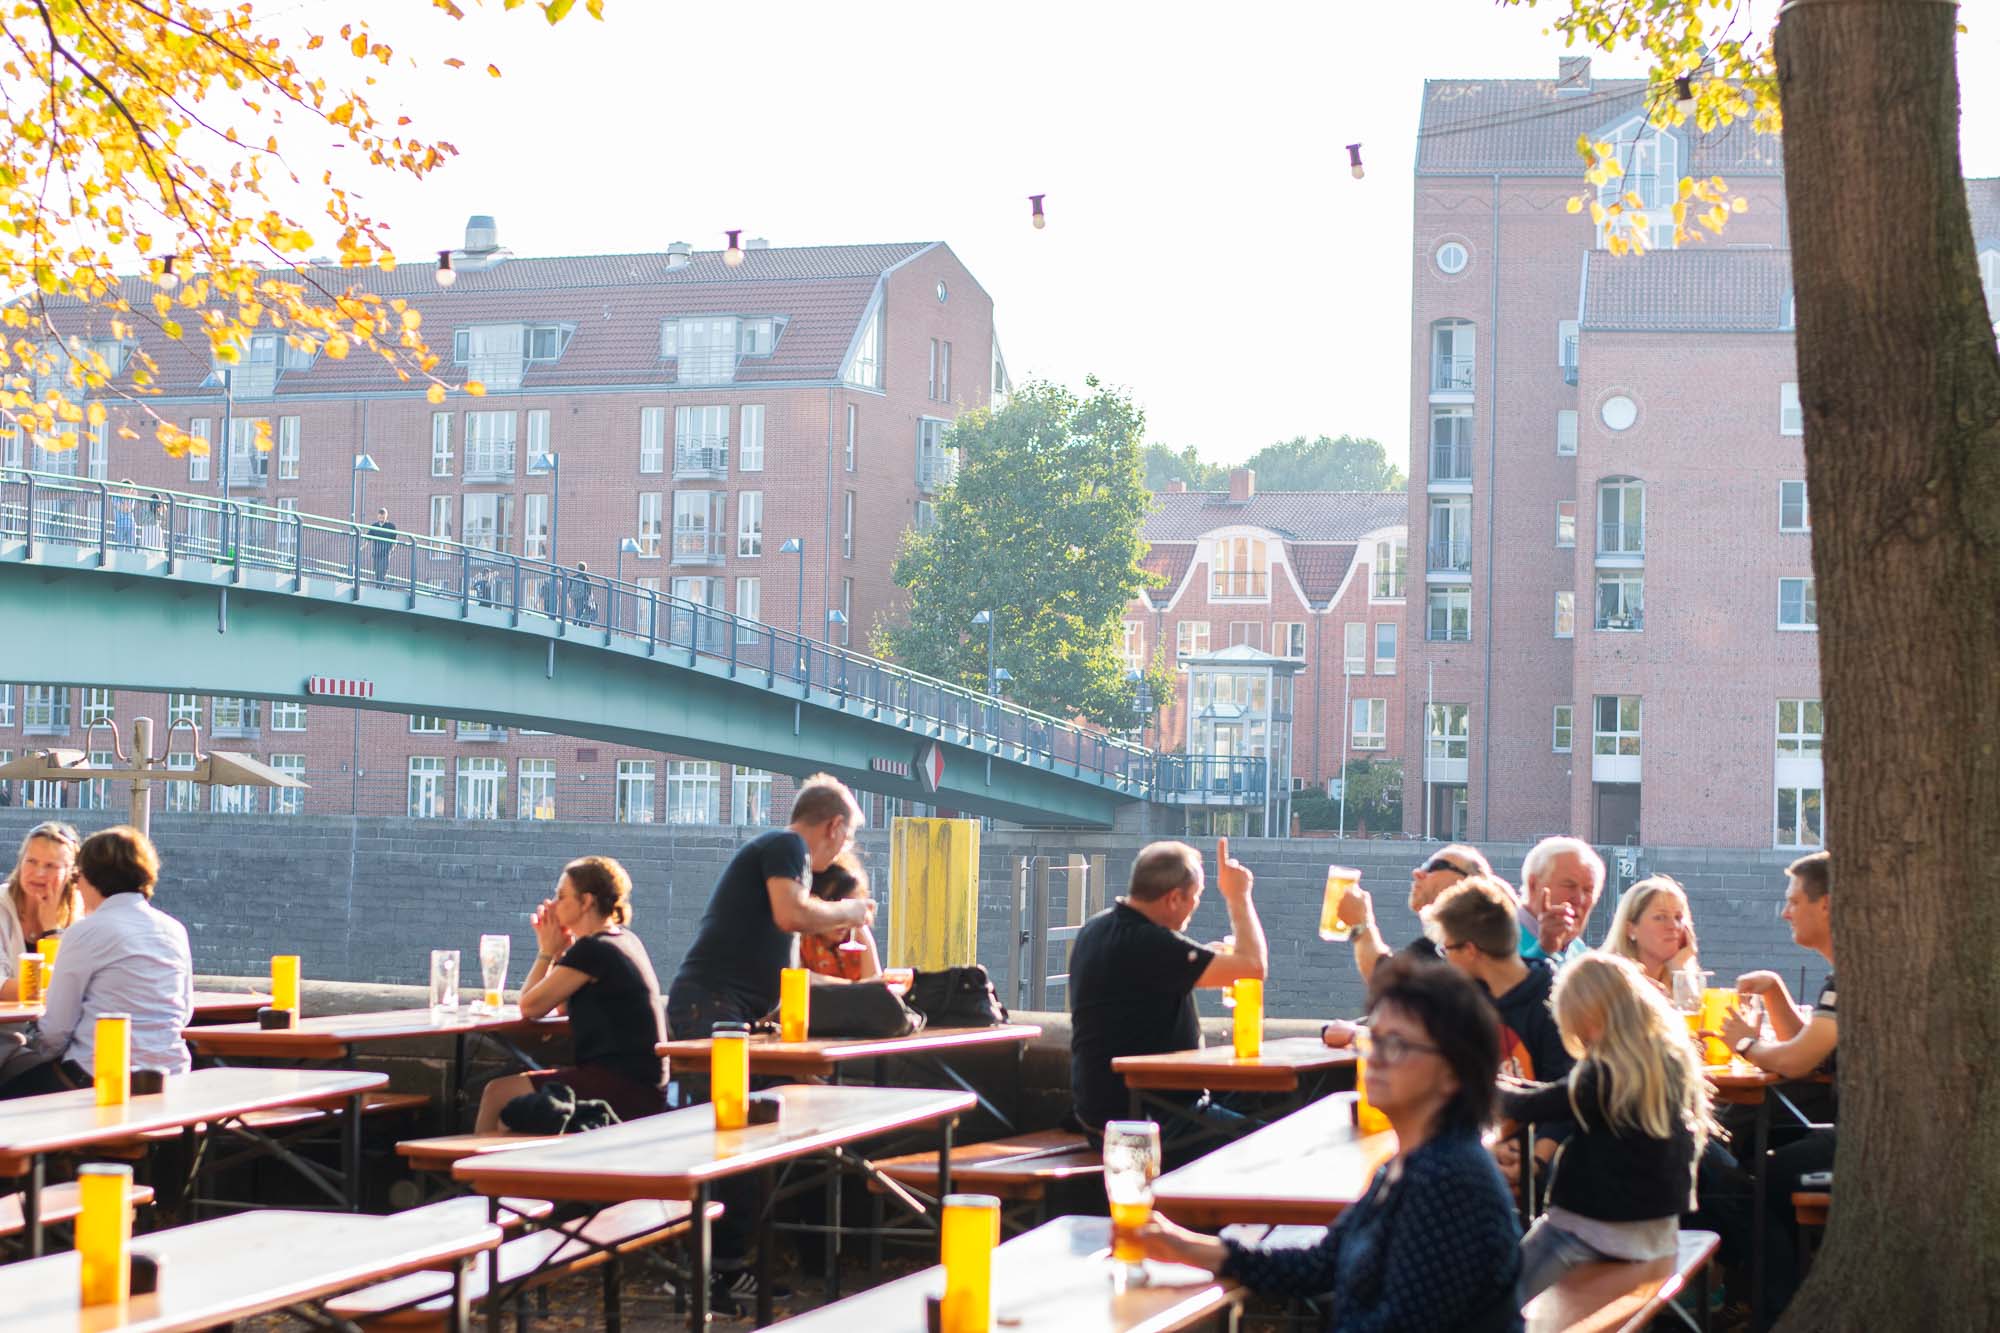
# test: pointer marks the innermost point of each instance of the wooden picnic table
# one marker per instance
(1620, 1297)
(32, 1128)
(682, 1155)
(1742, 1084)
(213, 1273)
(1056, 1277)
(1279, 1069)
(1304, 1170)
(210, 1006)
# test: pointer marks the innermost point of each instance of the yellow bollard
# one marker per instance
(933, 892)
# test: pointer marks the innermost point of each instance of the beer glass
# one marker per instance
(444, 980)
(1131, 1161)
(494, 954)
(1339, 880)
(28, 978)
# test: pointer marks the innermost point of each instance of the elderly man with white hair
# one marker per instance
(1560, 882)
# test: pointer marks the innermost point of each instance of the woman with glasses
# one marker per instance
(1654, 928)
(1439, 872)
(1434, 1243)
(40, 897)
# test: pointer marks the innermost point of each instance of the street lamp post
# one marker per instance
(986, 618)
(550, 464)
(357, 489)
(835, 619)
(626, 546)
(797, 546)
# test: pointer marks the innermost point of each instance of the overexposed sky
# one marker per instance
(1206, 246)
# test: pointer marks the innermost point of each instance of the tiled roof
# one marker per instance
(1320, 567)
(1313, 516)
(1524, 127)
(614, 302)
(1171, 560)
(1983, 193)
(1685, 290)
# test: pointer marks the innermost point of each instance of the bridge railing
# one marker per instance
(332, 557)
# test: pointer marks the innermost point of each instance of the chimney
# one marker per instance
(1175, 488)
(756, 243)
(1572, 74)
(678, 255)
(482, 234)
(1242, 485)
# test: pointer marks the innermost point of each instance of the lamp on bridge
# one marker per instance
(357, 489)
(836, 619)
(797, 546)
(1001, 675)
(992, 673)
(627, 546)
(550, 465)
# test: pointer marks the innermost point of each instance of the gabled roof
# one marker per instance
(1320, 568)
(1313, 516)
(1171, 560)
(1698, 289)
(1242, 654)
(1524, 127)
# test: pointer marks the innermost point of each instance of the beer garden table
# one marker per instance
(681, 1155)
(216, 1272)
(1304, 1170)
(1054, 1279)
(210, 1006)
(1292, 1070)
(33, 1128)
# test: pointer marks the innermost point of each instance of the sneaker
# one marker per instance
(732, 1291)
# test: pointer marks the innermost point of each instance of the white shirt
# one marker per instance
(13, 943)
(127, 957)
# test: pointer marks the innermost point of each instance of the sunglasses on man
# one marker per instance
(1437, 863)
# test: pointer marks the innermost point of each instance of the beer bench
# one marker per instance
(1018, 1171)
(1626, 1297)
(60, 1203)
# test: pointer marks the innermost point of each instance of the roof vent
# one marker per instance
(482, 234)
(756, 243)
(1175, 488)
(679, 255)
(1572, 74)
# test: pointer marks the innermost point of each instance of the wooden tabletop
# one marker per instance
(1616, 1297)
(210, 1006)
(666, 1156)
(60, 1121)
(1305, 1170)
(212, 1273)
(1216, 1068)
(1056, 1277)
(329, 1036)
(1739, 1083)
(816, 1059)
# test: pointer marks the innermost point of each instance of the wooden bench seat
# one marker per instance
(373, 1105)
(1810, 1207)
(60, 1203)
(1018, 1168)
(1621, 1297)
(447, 1150)
(423, 1300)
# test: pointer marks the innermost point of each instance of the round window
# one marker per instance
(1619, 412)
(1452, 257)
(942, 294)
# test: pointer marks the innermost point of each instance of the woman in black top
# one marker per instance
(589, 966)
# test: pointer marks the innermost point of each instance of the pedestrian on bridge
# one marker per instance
(582, 606)
(381, 544)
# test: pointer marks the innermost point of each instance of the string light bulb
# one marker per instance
(734, 254)
(1035, 213)
(1354, 161)
(168, 278)
(446, 275)
(1684, 95)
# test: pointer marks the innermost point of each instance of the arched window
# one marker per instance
(1621, 516)
(1451, 356)
(1651, 159)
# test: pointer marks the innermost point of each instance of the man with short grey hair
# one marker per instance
(1560, 882)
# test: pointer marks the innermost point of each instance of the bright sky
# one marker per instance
(1206, 246)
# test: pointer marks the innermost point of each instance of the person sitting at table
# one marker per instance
(847, 954)
(1640, 1107)
(1654, 929)
(39, 898)
(125, 957)
(1439, 871)
(1133, 971)
(589, 966)
(1433, 1244)
(1560, 883)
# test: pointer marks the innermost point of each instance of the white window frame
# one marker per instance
(483, 777)
(535, 525)
(201, 429)
(1803, 740)
(288, 715)
(1562, 729)
(652, 440)
(694, 791)
(1791, 415)
(535, 789)
(288, 448)
(1630, 491)
(1622, 741)
(426, 724)
(1565, 524)
(1390, 572)
(441, 518)
(749, 524)
(6, 705)
(426, 787)
(45, 710)
(652, 524)
(1132, 644)
(1566, 432)
(538, 434)
(749, 606)
(1368, 728)
(1808, 601)
(1288, 639)
(1453, 599)
(1801, 841)
(441, 454)
(183, 798)
(750, 438)
(491, 445)
(1354, 645)
(634, 792)
(1448, 732)
(749, 791)
(288, 800)
(99, 705)
(847, 525)
(1565, 614)
(843, 633)
(1385, 663)
(183, 708)
(853, 428)
(1796, 487)
(1191, 639)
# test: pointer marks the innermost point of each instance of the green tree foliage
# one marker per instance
(1349, 463)
(1042, 529)
(1374, 800)
(1163, 465)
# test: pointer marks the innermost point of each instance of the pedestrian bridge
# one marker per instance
(102, 586)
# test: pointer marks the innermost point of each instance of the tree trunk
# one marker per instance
(1901, 387)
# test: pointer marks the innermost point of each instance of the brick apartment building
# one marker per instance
(709, 412)
(1312, 577)
(1615, 632)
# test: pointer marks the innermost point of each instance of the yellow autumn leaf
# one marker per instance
(1575, 203)
(336, 347)
(475, 388)
(435, 394)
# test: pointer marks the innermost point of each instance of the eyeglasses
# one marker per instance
(1388, 1049)
(1437, 863)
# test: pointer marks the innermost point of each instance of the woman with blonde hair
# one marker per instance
(40, 897)
(1654, 927)
(1642, 1118)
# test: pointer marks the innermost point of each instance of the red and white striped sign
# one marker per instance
(341, 687)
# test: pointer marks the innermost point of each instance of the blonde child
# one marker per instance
(1640, 1110)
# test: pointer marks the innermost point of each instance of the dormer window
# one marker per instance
(265, 357)
(497, 354)
(546, 341)
(864, 367)
(1650, 159)
(758, 336)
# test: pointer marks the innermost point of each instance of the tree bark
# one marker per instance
(1900, 383)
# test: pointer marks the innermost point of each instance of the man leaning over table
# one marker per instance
(1133, 971)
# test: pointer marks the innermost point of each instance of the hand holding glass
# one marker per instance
(1339, 879)
(1131, 1162)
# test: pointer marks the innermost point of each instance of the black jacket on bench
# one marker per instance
(1611, 1174)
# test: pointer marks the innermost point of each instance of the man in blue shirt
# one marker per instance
(1560, 882)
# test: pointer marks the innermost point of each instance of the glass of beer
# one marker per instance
(1339, 879)
(28, 978)
(1131, 1162)
(967, 1236)
(794, 1003)
(46, 946)
(1689, 984)
(444, 980)
(104, 1231)
(729, 1075)
(495, 952)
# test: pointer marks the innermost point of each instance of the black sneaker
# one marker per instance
(733, 1291)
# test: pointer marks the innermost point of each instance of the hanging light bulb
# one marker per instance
(734, 254)
(168, 278)
(1684, 95)
(446, 275)
(1036, 215)
(1354, 161)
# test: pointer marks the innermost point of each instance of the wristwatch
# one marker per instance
(1743, 1046)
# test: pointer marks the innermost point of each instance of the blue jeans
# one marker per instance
(1548, 1252)
(693, 1010)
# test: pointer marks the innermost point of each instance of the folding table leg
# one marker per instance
(944, 1162)
(1758, 1175)
(766, 1240)
(614, 1308)
(350, 1151)
(31, 1206)
(832, 1235)
(699, 1261)
(461, 1296)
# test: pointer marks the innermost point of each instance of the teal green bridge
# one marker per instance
(105, 586)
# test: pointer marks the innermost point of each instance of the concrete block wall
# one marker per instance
(365, 900)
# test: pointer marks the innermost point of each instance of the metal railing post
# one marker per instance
(357, 561)
(464, 577)
(298, 553)
(412, 548)
(653, 622)
(30, 516)
(103, 524)
(1018, 956)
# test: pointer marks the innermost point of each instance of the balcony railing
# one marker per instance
(1218, 778)
(1567, 358)
(489, 465)
(1239, 583)
(1451, 555)
(1621, 541)
(481, 731)
(1626, 621)
(705, 365)
(699, 548)
(701, 455)
(937, 470)
(1451, 374)
(1451, 462)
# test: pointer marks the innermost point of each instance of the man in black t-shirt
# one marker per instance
(1133, 971)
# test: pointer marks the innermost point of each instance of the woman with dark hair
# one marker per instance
(848, 953)
(1434, 1243)
(588, 965)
